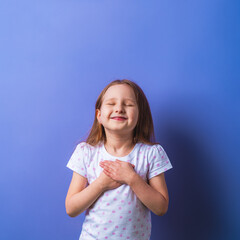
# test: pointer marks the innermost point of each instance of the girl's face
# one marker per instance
(119, 110)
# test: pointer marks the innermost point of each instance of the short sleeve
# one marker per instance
(158, 161)
(78, 158)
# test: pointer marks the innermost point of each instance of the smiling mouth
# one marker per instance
(119, 118)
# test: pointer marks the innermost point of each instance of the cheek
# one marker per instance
(136, 119)
(105, 113)
(134, 115)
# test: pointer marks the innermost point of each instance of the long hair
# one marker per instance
(143, 131)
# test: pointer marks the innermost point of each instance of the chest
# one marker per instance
(140, 161)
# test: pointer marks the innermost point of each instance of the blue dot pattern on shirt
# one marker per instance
(118, 213)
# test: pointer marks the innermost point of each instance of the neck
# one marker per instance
(118, 144)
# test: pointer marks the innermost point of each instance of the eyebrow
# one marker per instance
(109, 99)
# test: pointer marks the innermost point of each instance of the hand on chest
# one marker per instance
(139, 163)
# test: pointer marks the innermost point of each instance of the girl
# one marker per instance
(118, 172)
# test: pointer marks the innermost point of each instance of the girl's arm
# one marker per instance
(153, 195)
(80, 197)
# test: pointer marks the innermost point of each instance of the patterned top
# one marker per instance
(118, 212)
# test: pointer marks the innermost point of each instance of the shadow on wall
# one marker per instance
(193, 208)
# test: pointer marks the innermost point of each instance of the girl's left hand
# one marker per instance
(119, 171)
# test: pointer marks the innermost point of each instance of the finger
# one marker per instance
(107, 163)
(122, 161)
(109, 169)
(102, 165)
(111, 165)
(118, 162)
(109, 174)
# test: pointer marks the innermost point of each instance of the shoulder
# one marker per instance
(157, 148)
(86, 148)
(152, 152)
(83, 145)
(150, 148)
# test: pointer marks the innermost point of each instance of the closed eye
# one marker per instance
(128, 105)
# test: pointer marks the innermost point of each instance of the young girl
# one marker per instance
(118, 173)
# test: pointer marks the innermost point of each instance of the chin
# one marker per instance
(117, 130)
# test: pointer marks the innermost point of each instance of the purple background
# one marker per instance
(56, 57)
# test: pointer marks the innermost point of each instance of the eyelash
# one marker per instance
(129, 105)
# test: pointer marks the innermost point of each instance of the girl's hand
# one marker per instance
(119, 171)
(107, 183)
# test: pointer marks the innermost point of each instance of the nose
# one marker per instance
(119, 108)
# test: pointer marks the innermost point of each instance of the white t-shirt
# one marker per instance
(118, 214)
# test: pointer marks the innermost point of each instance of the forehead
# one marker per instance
(119, 91)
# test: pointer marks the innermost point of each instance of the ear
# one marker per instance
(98, 114)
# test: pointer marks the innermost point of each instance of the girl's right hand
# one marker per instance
(107, 183)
